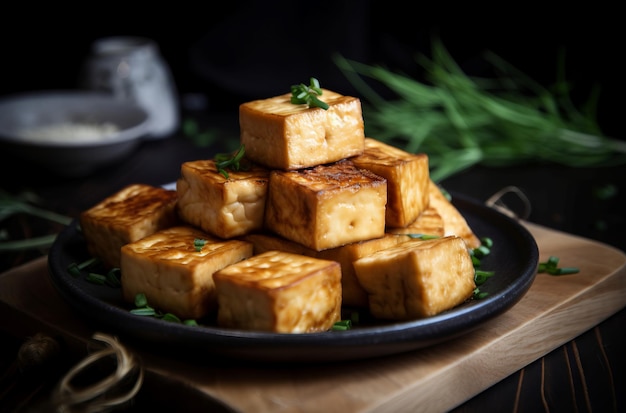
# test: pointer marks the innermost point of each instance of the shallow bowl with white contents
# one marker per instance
(71, 133)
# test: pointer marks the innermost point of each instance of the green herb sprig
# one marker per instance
(14, 205)
(461, 121)
(480, 275)
(142, 308)
(551, 266)
(308, 95)
(225, 161)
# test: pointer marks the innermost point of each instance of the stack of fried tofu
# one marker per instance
(319, 220)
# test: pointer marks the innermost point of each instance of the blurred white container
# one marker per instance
(132, 68)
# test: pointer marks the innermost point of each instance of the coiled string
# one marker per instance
(107, 394)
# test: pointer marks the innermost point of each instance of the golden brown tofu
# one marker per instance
(281, 135)
(132, 213)
(326, 206)
(224, 207)
(428, 223)
(453, 221)
(174, 274)
(416, 278)
(352, 293)
(407, 178)
(280, 292)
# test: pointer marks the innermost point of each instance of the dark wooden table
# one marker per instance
(584, 375)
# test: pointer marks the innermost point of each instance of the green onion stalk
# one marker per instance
(461, 121)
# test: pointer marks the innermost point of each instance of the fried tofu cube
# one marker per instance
(407, 176)
(281, 135)
(417, 278)
(326, 206)
(429, 223)
(224, 207)
(352, 293)
(175, 273)
(279, 292)
(454, 223)
(131, 214)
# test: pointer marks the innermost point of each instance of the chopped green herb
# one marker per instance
(146, 311)
(479, 294)
(551, 266)
(224, 161)
(95, 278)
(141, 300)
(342, 325)
(198, 244)
(308, 95)
(143, 309)
(481, 276)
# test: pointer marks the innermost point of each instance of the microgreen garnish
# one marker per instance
(224, 161)
(198, 244)
(551, 266)
(142, 308)
(303, 94)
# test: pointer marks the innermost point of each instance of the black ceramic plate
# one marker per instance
(514, 258)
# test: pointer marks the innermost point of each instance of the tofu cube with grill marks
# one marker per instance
(174, 275)
(417, 278)
(352, 293)
(131, 214)
(280, 292)
(407, 178)
(281, 135)
(224, 207)
(326, 206)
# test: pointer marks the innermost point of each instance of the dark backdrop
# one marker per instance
(239, 50)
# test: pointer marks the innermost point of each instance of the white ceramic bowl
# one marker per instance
(71, 133)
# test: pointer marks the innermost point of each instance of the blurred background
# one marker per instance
(241, 50)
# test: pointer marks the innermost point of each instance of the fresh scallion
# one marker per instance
(551, 266)
(461, 120)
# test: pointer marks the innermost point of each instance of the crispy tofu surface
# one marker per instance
(279, 292)
(353, 294)
(326, 206)
(174, 275)
(281, 135)
(417, 278)
(132, 213)
(224, 207)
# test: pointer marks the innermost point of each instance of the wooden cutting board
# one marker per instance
(439, 378)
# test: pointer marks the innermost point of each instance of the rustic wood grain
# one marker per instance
(556, 310)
